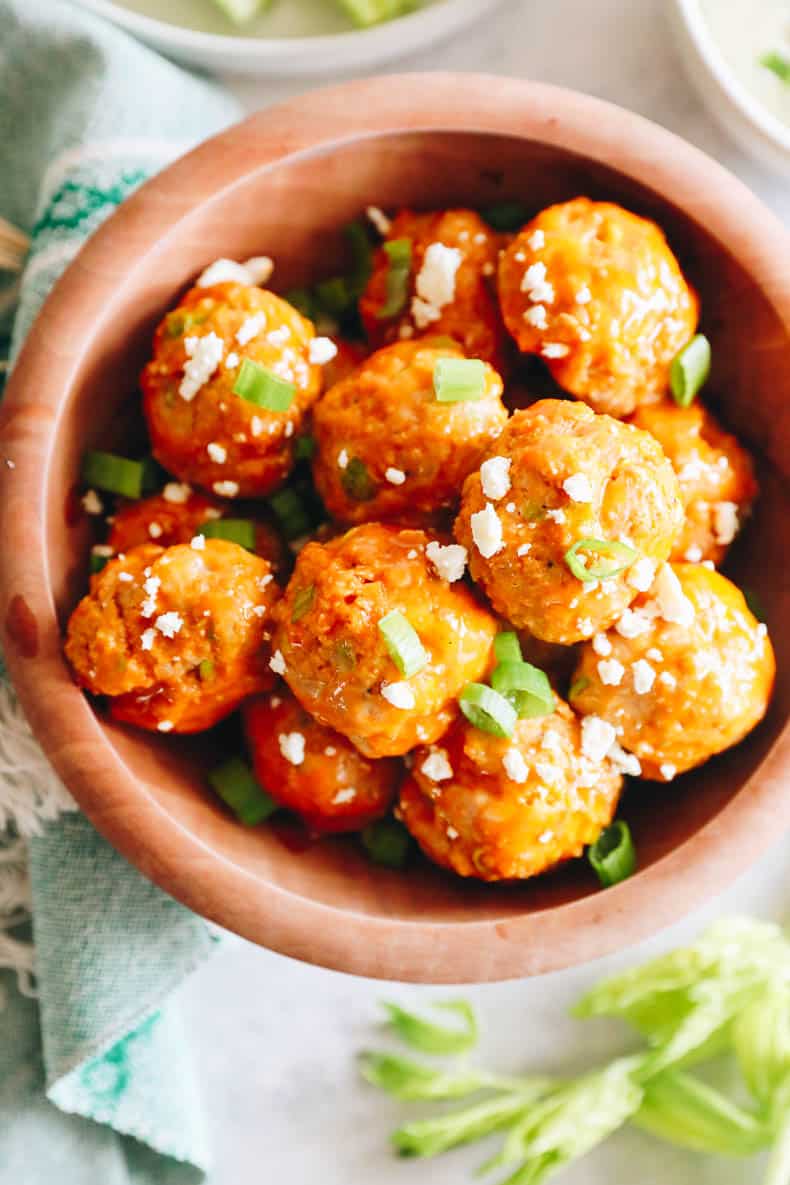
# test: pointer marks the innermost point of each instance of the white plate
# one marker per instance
(751, 124)
(293, 37)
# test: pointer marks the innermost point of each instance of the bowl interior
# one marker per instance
(294, 213)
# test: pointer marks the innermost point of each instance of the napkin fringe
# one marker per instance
(31, 793)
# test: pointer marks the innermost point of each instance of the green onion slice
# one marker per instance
(616, 558)
(356, 235)
(487, 710)
(97, 562)
(506, 215)
(334, 297)
(689, 370)
(387, 842)
(403, 643)
(578, 686)
(613, 855)
(304, 448)
(778, 64)
(398, 252)
(459, 380)
(527, 688)
(234, 530)
(206, 670)
(302, 300)
(238, 788)
(116, 475)
(356, 481)
(262, 387)
(506, 647)
(291, 513)
(303, 602)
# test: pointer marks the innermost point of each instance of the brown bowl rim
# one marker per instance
(69, 732)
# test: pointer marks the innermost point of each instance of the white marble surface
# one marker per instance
(275, 1039)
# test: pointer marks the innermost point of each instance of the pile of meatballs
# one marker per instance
(591, 523)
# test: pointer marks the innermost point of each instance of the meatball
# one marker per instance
(176, 516)
(450, 289)
(334, 657)
(685, 673)
(597, 293)
(313, 770)
(564, 496)
(716, 476)
(386, 448)
(509, 809)
(178, 637)
(200, 430)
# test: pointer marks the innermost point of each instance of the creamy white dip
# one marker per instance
(745, 31)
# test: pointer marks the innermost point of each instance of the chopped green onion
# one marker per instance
(356, 481)
(754, 603)
(578, 686)
(429, 1037)
(238, 788)
(291, 513)
(506, 647)
(387, 842)
(613, 855)
(334, 296)
(459, 380)
(304, 448)
(619, 557)
(302, 300)
(206, 670)
(778, 64)
(116, 475)
(303, 602)
(345, 656)
(506, 215)
(403, 643)
(262, 387)
(527, 688)
(487, 710)
(533, 512)
(689, 370)
(181, 320)
(97, 562)
(356, 235)
(233, 530)
(398, 252)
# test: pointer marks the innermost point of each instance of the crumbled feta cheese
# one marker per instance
(400, 695)
(725, 522)
(601, 645)
(667, 770)
(147, 639)
(348, 794)
(536, 241)
(223, 271)
(578, 488)
(449, 561)
(762, 630)
(217, 452)
(329, 751)
(125, 577)
(176, 492)
(278, 337)
(259, 268)
(538, 289)
(226, 489)
(536, 316)
(204, 355)
(452, 833)
(436, 766)
(250, 327)
(523, 549)
(546, 836)
(165, 726)
(155, 530)
(321, 350)
(668, 679)
(610, 672)
(487, 531)
(598, 736)
(515, 766)
(555, 350)
(232, 360)
(395, 477)
(693, 554)
(632, 623)
(435, 283)
(624, 763)
(292, 746)
(640, 575)
(379, 219)
(495, 477)
(198, 542)
(256, 425)
(406, 331)
(557, 515)
(342, 459)
(551, 741)
(277, 663)
(654, 655)
(150, 588)
(92, 503)
(102, 549)
(169, 624)
(644, 676)
(583, 296)
(673, 604)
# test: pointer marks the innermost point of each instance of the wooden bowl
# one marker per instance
(283, 182)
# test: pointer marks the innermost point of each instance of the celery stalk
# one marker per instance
(373, 12)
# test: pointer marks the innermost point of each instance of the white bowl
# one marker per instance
(750, 122)
(294, 37)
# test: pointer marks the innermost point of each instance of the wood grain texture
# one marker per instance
(282, 183)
